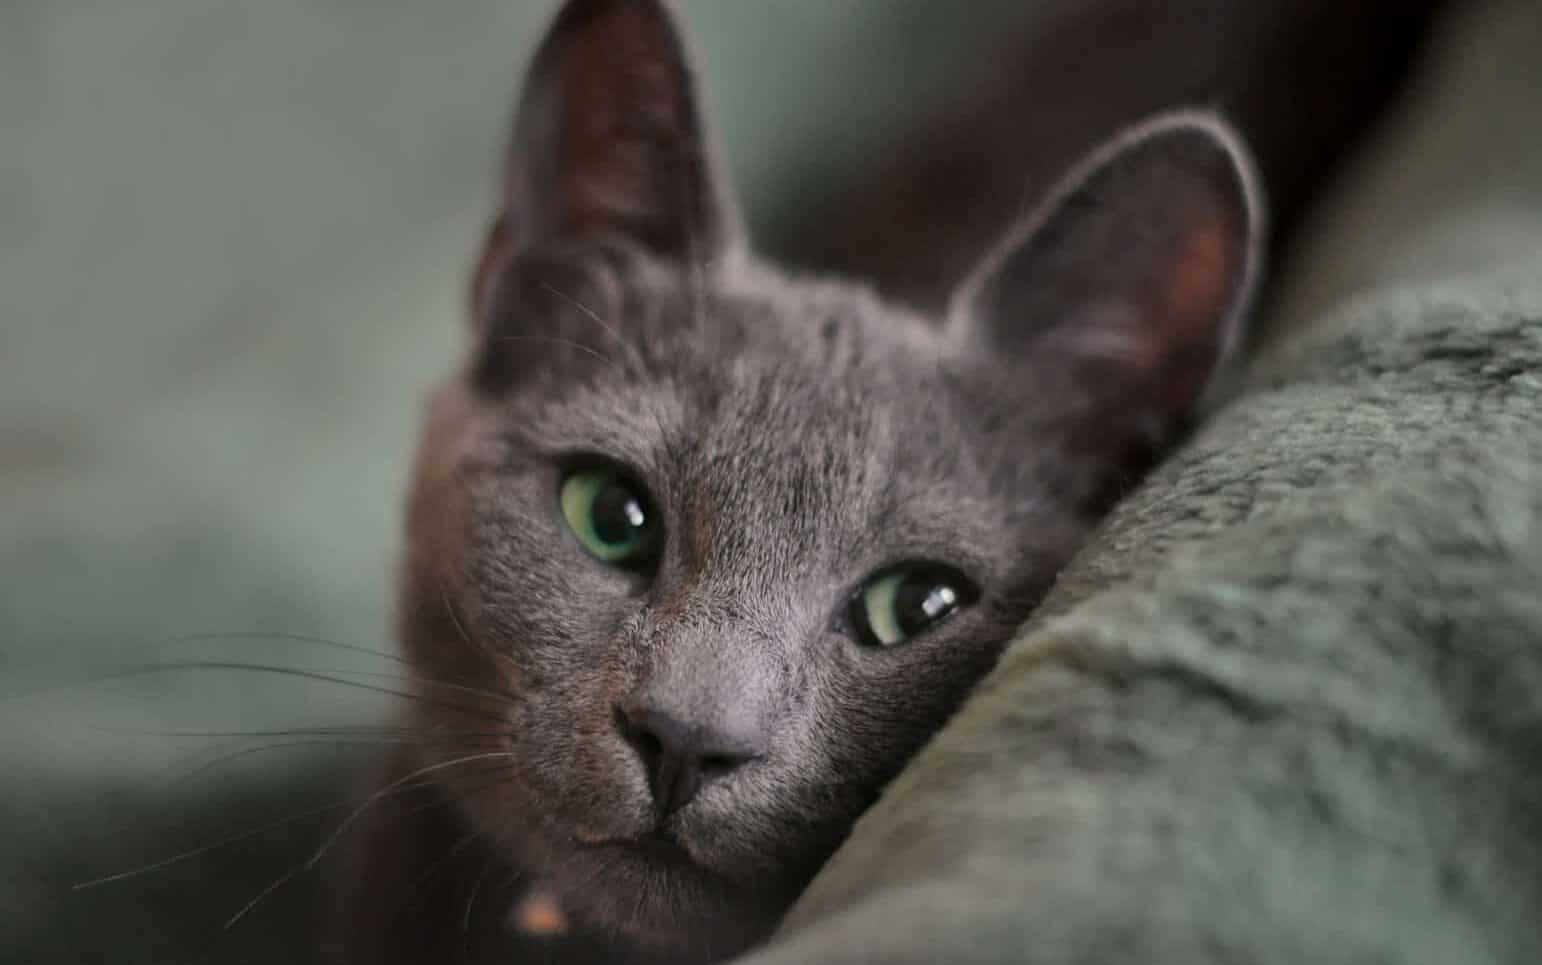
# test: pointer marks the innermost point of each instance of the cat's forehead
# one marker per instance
(760, 371)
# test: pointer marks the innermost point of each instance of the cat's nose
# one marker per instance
(681, 755)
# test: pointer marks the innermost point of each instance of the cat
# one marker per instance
(700, 552)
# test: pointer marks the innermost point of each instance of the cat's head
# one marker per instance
(700, 553)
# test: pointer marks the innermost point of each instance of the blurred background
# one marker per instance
(234, 239)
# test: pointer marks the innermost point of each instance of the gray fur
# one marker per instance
(797, 436)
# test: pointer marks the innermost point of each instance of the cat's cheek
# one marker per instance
(580, 773)
(881, 706)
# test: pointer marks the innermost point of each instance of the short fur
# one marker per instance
(796, 436)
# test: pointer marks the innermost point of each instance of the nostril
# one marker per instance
(643, 740)
(714, 764)
(679, 756)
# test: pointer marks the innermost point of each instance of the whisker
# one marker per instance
(324, 676)
(373, 798)
(298, 869)
(206, 848)
(277, 883)
(427, 682)
(620, 369)
(466, 919)
(348, 822)
(416, 675)
(238, 837)
(366, 736)
(360, 731)
(237, 636)
(338, 730)
(558, 340)
(449, 609)
(631, 350)
(488, 653)
(55, 688)
(633, 353)
(465, 923)
(168, 778)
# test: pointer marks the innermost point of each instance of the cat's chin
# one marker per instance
(648, 896)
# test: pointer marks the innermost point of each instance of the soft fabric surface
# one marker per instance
(1288, 706)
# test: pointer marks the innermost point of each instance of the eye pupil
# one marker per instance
(920, 603)
(618, 515)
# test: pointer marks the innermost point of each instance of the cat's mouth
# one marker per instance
(657, 846)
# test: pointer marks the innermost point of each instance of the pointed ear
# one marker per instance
(608, 142)
(1133, 278)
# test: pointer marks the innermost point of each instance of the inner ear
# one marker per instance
(609, 139)
(1134, 275)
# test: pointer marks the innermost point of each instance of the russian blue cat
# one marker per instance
(701, 552)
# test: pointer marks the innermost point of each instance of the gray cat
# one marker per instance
(700, 553)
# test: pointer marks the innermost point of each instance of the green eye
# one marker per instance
(908, 600)
(610, 516)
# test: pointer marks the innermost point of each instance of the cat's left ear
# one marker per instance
(609, 141)
(1133, 278)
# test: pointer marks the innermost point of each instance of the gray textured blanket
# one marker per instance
(1288, 706)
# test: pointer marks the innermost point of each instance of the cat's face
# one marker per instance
(700, 554)
(786, 446)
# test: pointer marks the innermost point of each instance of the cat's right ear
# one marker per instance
(609, 144)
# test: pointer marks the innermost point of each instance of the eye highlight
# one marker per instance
(908, 600)
(611, 516)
